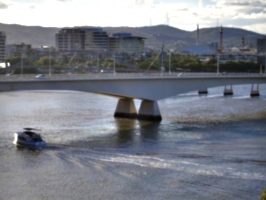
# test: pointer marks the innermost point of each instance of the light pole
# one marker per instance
(114, 63)
(264, 64)
(49, 62)
(98, 61)
(21, 63)
(169, 62)
(218, 63)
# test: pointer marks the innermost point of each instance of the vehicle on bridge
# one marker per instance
(40, 76)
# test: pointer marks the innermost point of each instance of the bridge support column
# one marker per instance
(254, 91)
(149, 110)
(126, 108)
(228, 91)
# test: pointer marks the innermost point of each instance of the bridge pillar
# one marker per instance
(126, 108)
(149, 110)
(228, 91)
(254, 91)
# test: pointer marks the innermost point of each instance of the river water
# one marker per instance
(206, 147)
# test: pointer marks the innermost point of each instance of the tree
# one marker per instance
(13, 60)
(44, 61)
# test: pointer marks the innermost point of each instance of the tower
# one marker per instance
(221, 40)
(167, 19)
(243, 42)
(197, 40)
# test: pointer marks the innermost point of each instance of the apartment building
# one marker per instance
(261, 50)
(261, 45)
(81, 39)
(125, 42)
(97, 40)
(22, 49)
(2, 46)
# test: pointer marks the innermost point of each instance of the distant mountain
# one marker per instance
(155, 35)
(34, 35)
(231, 36)
(177, 38)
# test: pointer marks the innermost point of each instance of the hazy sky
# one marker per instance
(183, 14)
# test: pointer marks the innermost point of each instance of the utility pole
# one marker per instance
(49, 61)
(114, 63)
(169, 62)
(21, 63)
(218, 63)
(98, 61)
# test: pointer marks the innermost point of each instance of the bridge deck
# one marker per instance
(148, 87)
(126, 75)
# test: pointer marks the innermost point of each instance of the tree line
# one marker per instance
(153, 62)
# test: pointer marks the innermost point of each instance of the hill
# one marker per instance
(155, 35)
(34, 35)
(231, 36)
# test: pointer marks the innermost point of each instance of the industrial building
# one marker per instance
(97, 40)
(2, 46)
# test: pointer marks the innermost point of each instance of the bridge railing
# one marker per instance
(123, 75)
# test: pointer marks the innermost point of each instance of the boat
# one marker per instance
(28, 137)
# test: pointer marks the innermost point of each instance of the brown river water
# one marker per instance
(206, 147)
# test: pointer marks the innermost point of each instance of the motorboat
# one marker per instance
(28, 137)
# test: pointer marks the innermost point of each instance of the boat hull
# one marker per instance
(29, 144)
(20, 142)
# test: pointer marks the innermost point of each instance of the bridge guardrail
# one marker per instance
(125, 75)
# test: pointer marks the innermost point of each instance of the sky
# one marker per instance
(182, 14)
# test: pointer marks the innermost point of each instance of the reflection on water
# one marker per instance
(206, 147)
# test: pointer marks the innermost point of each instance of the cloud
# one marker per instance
(200, 4)
(64, 0)
(237, 4)
(3, 5)
(140, 2)
(244, 9)
(181, 9)
(245, 3)
(144, 2)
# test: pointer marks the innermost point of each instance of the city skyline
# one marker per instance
(245, 14)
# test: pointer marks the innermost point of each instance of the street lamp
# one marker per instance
(23, 55)
(169, 62)
(114, 64)
(21, 63)
(98, 61)
(49, 61)
(218, 63)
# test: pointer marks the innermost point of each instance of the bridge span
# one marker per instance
(127, 87)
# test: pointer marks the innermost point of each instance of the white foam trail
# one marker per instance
(242, 97)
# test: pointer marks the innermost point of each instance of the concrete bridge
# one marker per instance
(126, 87)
